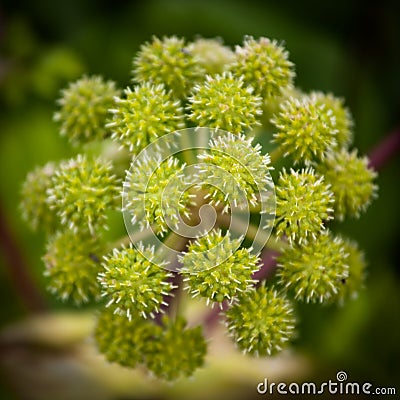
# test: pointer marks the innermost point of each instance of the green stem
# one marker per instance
(254, 233)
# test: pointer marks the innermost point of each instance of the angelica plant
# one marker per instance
(201, 208)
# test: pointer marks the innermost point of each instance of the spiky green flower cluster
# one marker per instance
(132, 283)
(84, 109)
(82, 190)
(306, 129)
(261, 322)
(34, 206)
(234, 168)
(264, 64)
(169, 62)
(215, 268)
(125, 341)
(303, 204)
(155, 193)
(351, 180)
(72, 264)
(178, 351)
(224, 102)
(344, 120)
(228, 99)
(314, 271)
(212, 55)
(145, 114)
(169, 351)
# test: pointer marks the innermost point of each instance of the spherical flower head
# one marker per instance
(306, 129)
(155, 193)
(303, 203)
(125, 341)
(265, 66)
(168, 61)
(224, 102)
(351, 180)
(132, 283)
(82, 190)
(234, 168)
(143, 115)
(342, 115)
(261, 322)
(34, 207)
(72, 263)
(84, 109)
(212, 55)
(178, 351)
(215, 268)
(315, 270)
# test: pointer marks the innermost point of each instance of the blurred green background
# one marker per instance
(346, 47)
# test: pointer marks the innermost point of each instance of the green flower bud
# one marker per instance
(212, 55)
(168, 62)
(303, 203)
(264, 65)
(82, 190)
(84, 109)
(351, 180)
(178, 352)
(306, 129)
(315, 270)
(147, 112)
(123, 341)
(72, 263)
(216, 269)
(261, 322)
(132, 284)
(342, 115)
(34, 207)
(234, 168)
(223, 102)
(155, 193)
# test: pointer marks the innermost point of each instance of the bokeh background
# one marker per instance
(346, 47)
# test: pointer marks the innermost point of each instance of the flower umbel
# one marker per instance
(169, 62)
(224, 102)
(132, 284)
(306, 129)
(215, 268)
(351, 180)
(72, 264)
(82, 190)
(155, 193)
(84, 109)
(303, 203)
(264, 64)
(203, 217)
(125, 341)
(178, 351)
(314, 271)
(143, 115)
(261, 322)
(234, 168)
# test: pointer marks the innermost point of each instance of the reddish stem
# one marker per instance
(385, 150)
(18, 268)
